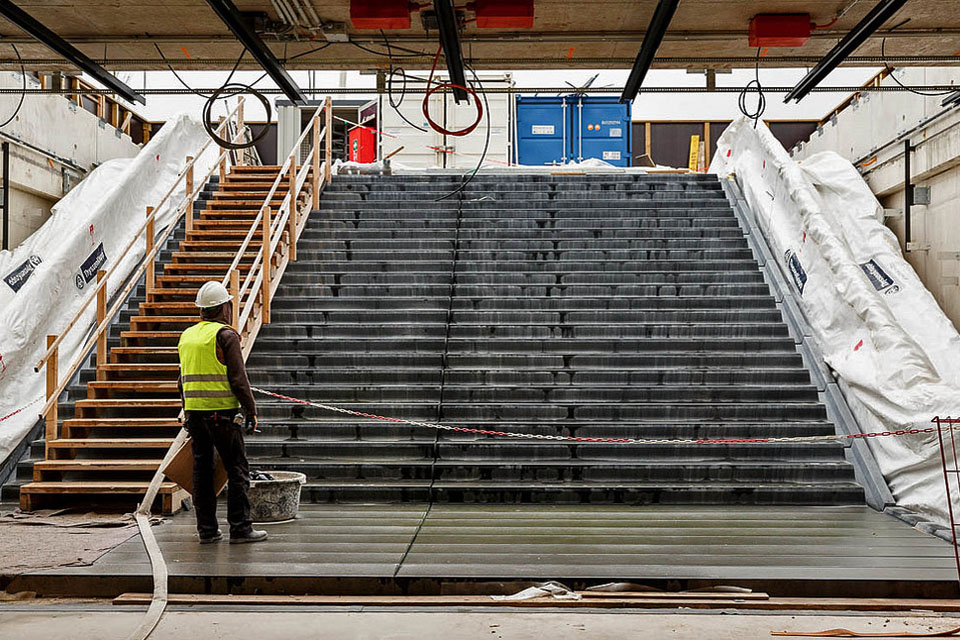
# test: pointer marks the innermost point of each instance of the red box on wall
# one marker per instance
(363, 145)
(380, 14)
(780, 30)
(504, 14)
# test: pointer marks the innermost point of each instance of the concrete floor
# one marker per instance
(103, 622)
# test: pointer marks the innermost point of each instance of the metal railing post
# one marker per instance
(52, 426)
(189, 212)
(265, 268)
(316, 163)
(235, 294)
(328, 111)
(101, 316)
(151, 275)
(292, 218)
(241, 153)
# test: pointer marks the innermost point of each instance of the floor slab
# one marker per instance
(477, 543)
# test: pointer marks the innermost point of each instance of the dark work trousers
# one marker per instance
(210, 429)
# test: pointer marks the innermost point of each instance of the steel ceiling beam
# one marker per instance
(850, 43)
(28, 23)
(450, 41)
(231, 16)
(648, 50)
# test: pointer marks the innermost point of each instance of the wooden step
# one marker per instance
(163, 320)
(94, 486)
(174, 281)
(132, 403)
(138, 386)
(222, 235)
(255, 168)
(148, 336)
(121, 423)
(247, 195)
(111, 443)
(243, 267)
(106, 464)
(170, 308)
(185, 257)
(198, 245)
(201, 225)
(32, 494)
(253, 184)
(243, 215)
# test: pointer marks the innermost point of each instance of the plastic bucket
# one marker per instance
(278, 499)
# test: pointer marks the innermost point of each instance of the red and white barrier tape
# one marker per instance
(21, 409)
(534, 436)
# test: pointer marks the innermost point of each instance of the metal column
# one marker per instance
(5, 147)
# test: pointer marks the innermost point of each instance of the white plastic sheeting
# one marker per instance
(46, 279)
(876, 324)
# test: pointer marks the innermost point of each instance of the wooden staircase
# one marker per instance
(115, 440)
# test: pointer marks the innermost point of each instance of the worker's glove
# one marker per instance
(250, 425)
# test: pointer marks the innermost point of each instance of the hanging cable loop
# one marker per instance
(228, 91)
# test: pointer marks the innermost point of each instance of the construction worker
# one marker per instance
(213, 387)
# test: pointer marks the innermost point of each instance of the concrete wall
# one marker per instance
(871, 134)
(53, 144)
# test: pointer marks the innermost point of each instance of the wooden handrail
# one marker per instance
(121, 299)
(266, 202)
(260, 283)
(187, 170)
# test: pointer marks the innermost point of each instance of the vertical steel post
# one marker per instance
(907, 194)
(6, 195)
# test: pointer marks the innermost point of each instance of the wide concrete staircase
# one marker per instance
(613, 306)
(119, 420)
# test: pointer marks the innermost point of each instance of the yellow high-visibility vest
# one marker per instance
(204, 378)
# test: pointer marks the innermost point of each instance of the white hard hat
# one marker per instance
(212, 294)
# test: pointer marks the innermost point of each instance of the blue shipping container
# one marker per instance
(562, 129)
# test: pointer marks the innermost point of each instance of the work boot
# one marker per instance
(251, 536)
(216, 537)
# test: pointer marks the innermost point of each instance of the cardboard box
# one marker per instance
(180, 468)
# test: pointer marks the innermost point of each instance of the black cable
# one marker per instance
(468, 178)
(235, 88)
(410, 53)
(23, 92)
(403, 91)
(883, 56)
(191, 89)
(753, 85)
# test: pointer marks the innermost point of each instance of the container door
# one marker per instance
(420, 148)
(466, 150)
(604, 131)
(541, 131)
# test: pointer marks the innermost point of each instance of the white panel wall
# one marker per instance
(462, 152)
(75, 141)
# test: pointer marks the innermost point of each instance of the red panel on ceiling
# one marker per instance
(780, 30)
(504, 14)
(380, 14)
